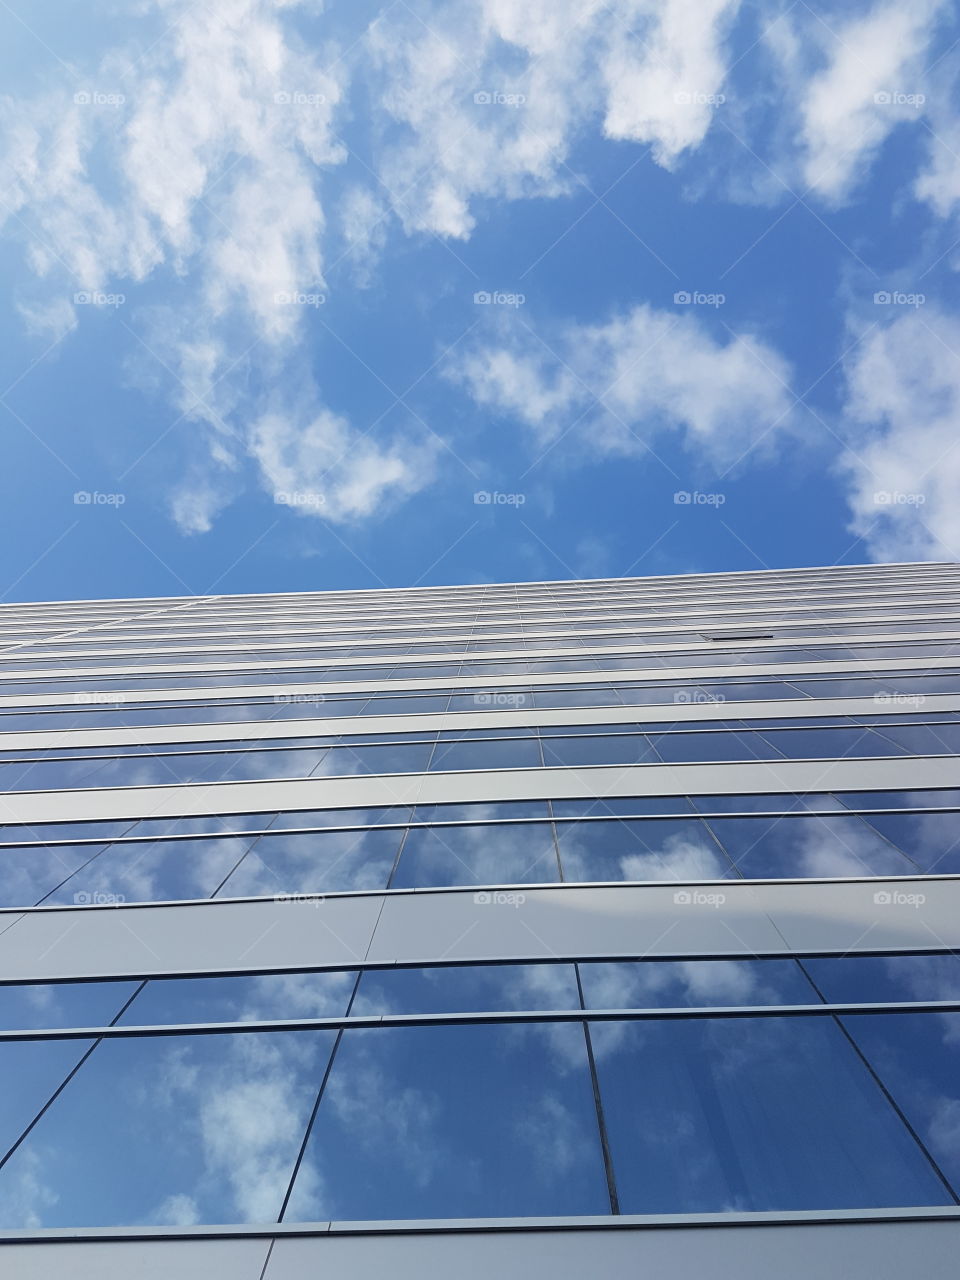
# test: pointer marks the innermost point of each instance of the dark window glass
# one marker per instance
(341, 817)
(616, 806)
(931, 840)
(664, 984)
(798, 847)
(316, 862)
(709, 1115)
(917, 1057)
(62, 1004)
(467, 989)
(480, 812)
(830, 744)
(454, 1122)
(259, 997)
(28, 875)
(401, 757)
(499, 753)
(641, 849)
(615, 748)
(783, 803)
(504, 853)
(168, 1131)
(153, 871)
(900, 799)
(924, 740)
(872, 979)
(677, 747)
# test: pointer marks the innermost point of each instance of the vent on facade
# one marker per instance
(739, 635)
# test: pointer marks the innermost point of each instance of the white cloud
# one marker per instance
(901, 415)
(339, 473)
(619, 385)
(664, 87)
(877, 55)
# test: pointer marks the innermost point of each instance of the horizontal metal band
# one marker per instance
(493, 1018)
(654, 713)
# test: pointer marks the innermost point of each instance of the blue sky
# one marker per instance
(242, 243)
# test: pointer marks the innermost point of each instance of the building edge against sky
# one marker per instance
(568, 896)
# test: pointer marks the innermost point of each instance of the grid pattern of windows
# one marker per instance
(500, 1075)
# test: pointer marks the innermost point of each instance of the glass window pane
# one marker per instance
(502, 853)
(664, 984)
(917, 1057)
(711, 1115)
(454, 1122)
(681, 747)
(62, 1004)
(169, 1131)
(31, 1072)
(931, 840)
(791, 847)
(316, 862)
(254, 998)
(497, 753)
(874, 979)
(612, 748)
(153, 871)
(620, 806)
(641, 849)
(467, 989)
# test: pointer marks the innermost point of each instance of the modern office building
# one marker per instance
(549, 929)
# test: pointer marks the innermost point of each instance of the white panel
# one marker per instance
(664, 713)
(903, 773)
(136, 1260)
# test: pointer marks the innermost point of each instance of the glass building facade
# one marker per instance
(555, 927)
